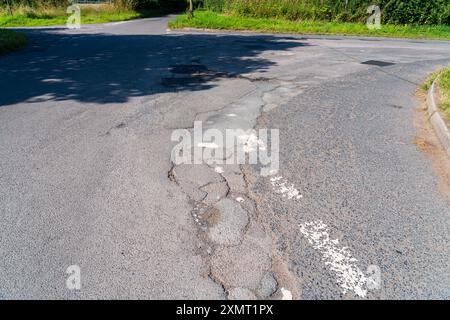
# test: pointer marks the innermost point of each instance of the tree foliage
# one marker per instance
(122, 4)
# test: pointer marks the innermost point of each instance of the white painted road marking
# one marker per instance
(281, 186)
(114, 23)
(338, 259)
(287, 295)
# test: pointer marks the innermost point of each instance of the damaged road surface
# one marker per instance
(354, 210)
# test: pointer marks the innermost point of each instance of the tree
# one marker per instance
(8, 5)
(191, 9)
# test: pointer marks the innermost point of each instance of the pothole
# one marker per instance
(211, 216)
(378, 63)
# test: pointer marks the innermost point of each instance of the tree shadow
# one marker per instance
(105, 68)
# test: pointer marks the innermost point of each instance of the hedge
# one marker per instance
(393, 11)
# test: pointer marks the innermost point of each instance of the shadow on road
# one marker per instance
(105, 68)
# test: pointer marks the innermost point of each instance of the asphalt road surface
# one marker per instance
(86, 178)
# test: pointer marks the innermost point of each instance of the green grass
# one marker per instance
(211, 20)
(11, 40)
(444, 90)
(52, 17)
(429, 81)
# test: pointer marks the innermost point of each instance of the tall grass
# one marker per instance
(212, 20)
(393, 11)
(117, 4)
(53, 12)
(25, 15)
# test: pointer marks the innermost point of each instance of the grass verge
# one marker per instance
(58, 16)
(444, 90)
(211, 20)
(443, 87)
(11, 40)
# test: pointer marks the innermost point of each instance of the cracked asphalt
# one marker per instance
(86, 176)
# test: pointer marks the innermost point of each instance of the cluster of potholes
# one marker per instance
(191, 75)
(238, 249)
(197, 76)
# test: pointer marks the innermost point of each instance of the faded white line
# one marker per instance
(282, 186)
(338, 259)
(114, 23)
(287, 295)
(251, 143)
(218, 170)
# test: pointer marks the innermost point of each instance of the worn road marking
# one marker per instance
(218, 170)
(114, 23)
(251, 143)
(338, 259)
(287, 295)
(280, 186)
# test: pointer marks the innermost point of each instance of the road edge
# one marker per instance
(308, 35)
(438, 123)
